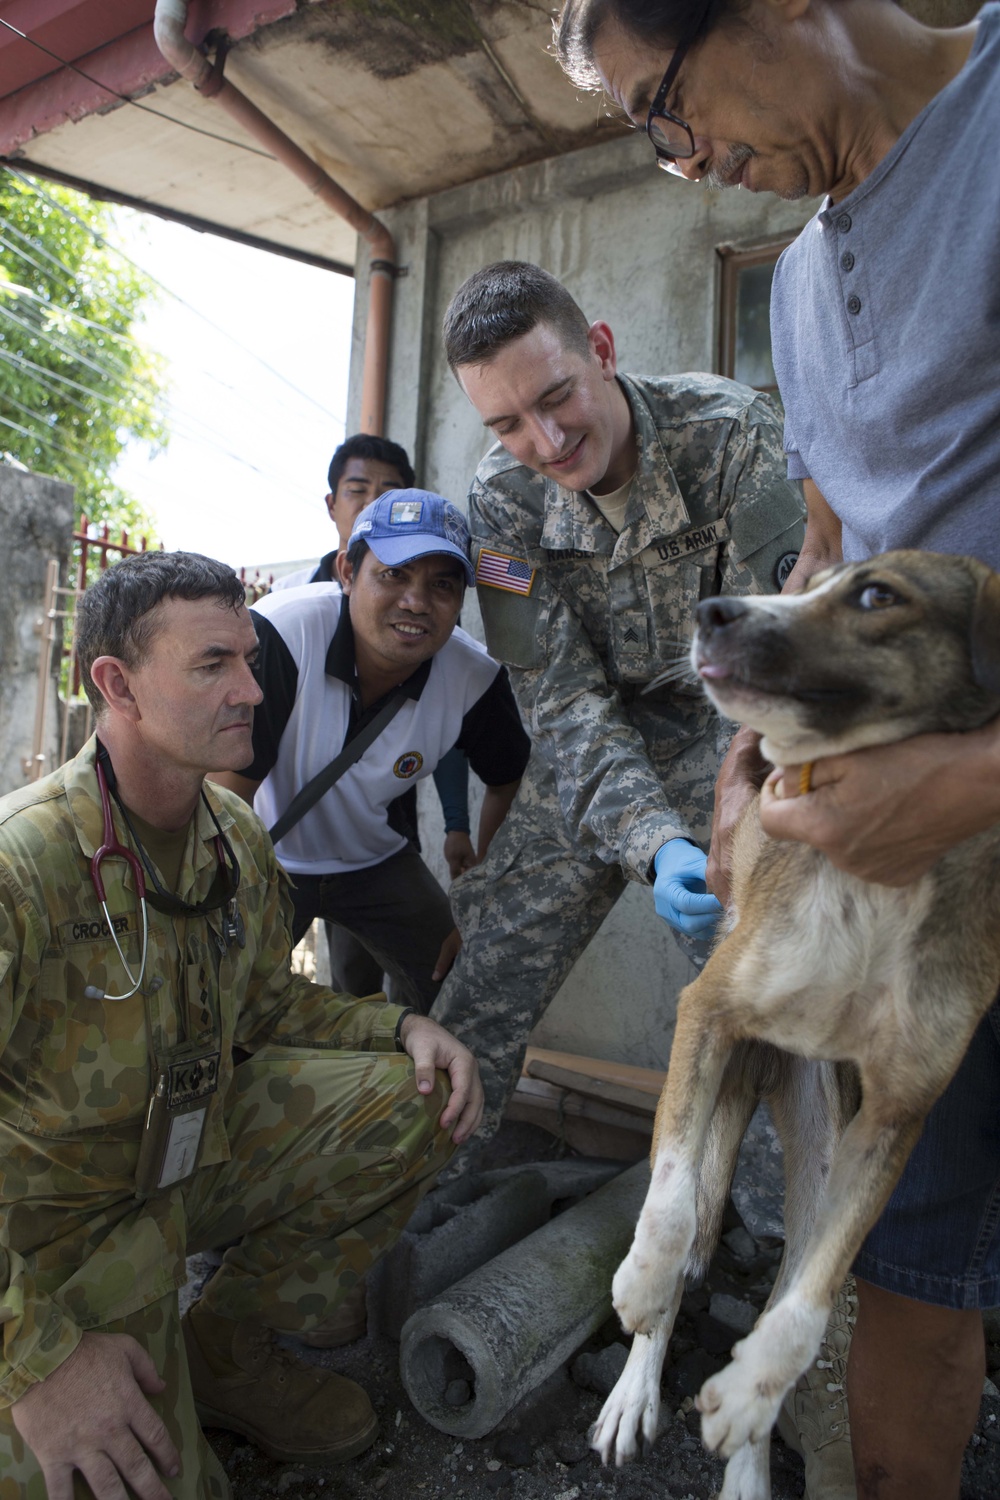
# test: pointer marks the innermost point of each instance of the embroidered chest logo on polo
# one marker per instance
(408, 765)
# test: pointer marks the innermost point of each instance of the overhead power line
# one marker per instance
(112, 365)
(183, 424)
(52, 263)
(106, 244)
(146, 109)
(42, 439)
(75, 352)
(51, 322)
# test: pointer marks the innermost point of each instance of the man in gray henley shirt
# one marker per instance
(886, 335)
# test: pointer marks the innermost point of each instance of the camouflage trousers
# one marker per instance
(528, 912)
(331, 1152)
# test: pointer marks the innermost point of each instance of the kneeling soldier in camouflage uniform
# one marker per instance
(168, 1085)
(610, 505)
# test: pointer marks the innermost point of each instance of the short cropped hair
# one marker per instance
(115, 616)
(356, 552)
(504, 301)
(661, 23)
(366, 445)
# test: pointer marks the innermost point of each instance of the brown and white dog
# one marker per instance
(822, 982)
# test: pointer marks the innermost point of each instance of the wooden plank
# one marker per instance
(586, 1125)
(634, 1101)
(649, 1080)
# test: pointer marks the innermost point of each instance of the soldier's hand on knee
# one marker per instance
(91, 1415)
(431, 1047)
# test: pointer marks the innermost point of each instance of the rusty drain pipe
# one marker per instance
(168, 29)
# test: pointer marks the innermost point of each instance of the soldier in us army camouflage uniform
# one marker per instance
(587, 600)
(319, 1136)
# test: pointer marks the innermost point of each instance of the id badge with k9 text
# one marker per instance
(186, 1079)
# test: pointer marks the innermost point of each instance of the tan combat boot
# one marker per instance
(245, 1383)
(348, 1321)
(813, 1417)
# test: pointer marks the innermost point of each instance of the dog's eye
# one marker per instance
(877, 596)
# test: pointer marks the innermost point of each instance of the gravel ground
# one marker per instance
(541, 1449)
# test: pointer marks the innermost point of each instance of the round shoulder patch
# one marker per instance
(408, 765)
(784, 566)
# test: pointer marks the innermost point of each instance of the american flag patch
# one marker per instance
(503, 572)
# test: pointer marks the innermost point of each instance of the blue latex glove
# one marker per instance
(679, 893)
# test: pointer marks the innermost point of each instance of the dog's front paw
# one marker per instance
(739, 1405)
(643, 1291)
(630, 1417)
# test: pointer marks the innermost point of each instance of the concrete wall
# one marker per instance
(36, 522)
(635, 247)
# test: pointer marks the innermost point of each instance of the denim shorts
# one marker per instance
(938, 1239)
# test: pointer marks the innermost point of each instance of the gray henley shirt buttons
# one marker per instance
(844, 222)
(847, 264)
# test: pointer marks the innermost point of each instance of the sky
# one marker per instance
(257, 348)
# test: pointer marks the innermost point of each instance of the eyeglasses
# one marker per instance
(671, 137)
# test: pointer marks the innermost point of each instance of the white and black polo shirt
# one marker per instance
(311, 710)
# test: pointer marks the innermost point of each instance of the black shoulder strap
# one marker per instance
(324, 780)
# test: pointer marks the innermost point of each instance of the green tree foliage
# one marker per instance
(76, 385)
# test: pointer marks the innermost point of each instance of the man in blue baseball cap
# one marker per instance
(403, 525)
(382, 666)
(363, 467)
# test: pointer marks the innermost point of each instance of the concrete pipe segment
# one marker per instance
(470, 1356)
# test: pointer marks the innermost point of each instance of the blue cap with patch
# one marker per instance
(402, 525)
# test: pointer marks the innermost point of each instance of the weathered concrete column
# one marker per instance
(501, 1331)
(36, 523)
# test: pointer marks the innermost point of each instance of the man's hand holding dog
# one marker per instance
(739, 780)
(887, 814)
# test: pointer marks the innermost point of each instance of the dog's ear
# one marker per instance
(986, 633)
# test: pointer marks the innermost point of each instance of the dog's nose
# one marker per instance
(715, 614)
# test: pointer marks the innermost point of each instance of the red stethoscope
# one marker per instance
(111, 848)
